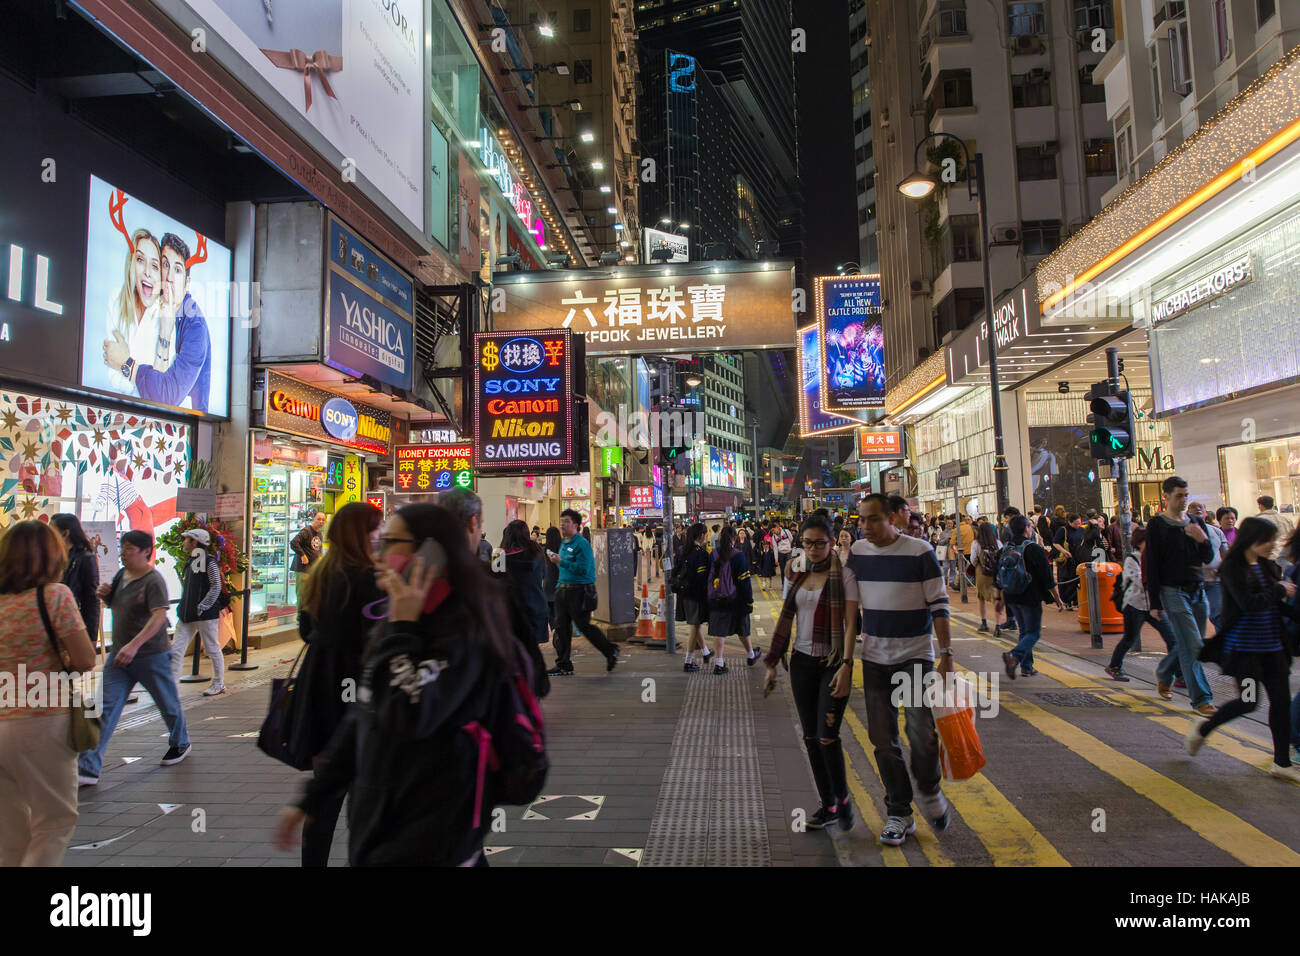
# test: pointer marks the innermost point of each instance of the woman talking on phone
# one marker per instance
(431, 668)
(813, 614)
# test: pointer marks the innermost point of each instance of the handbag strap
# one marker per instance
(45, 621)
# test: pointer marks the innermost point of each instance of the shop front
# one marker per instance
(312, 451)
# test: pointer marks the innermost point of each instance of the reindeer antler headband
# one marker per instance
(117, 203)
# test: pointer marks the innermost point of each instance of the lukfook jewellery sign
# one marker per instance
(1217, 283)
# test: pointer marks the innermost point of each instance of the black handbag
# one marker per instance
(590, 598)
(273, 740)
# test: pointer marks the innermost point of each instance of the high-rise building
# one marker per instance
(864, 161)
(1014, 82)
(1172, 66)
(743, 52)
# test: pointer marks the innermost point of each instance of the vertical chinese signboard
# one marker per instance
(432, 469)
(352, 482)
(524, 414)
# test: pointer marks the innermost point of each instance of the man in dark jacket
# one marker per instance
(1027, 606)
(1177, 545)
(690, 583)
(306, 544)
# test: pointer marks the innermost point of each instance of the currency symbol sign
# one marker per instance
(490, 352)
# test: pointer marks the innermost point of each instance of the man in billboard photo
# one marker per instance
(184, 376)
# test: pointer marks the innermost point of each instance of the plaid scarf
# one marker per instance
(828, 621)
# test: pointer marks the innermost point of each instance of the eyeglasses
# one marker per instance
(816, 542)
(384, 540)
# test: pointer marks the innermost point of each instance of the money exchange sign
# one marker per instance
(523, 401)
(432, 469)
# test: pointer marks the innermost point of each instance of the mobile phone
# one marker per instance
(433, 556)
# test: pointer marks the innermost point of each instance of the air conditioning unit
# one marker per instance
(1084, 39)
(920, 287)
(1037, 74)
(1022, 45)
(884, 117)
(1007, 234)
(922, 354)
(1050, 148)
(1166, 16)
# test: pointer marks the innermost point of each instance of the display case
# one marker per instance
(286, 493)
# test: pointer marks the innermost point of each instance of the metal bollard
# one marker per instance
(1094, 606)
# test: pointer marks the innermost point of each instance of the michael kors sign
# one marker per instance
(1202, 290)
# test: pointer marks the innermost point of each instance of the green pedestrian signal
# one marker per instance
(1112, 420)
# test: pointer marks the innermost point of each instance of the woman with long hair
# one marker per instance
(731, 600)
(200, 607)
(812, 618)
(529, 613)
(41, 631)
(336, 600)
(433, 668)
(1292, 554)
(554, 540)
(690, 584)
(1253, 647)
(133, 314)
(82, 574)
(984, 554)
(843, 542)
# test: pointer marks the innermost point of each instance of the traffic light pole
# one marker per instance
(666, 491)
(1120, 464)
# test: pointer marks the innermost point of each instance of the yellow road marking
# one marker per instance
(1213, 823)
(1257, 757)
(892, 855)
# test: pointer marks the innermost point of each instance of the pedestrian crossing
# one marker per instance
(1118, 756)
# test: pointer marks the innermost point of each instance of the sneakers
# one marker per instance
(1027, 671)
(719, 668)
(897, 830)
(1194, 740)
(1206, 710)
(822, 819)
(846, 815)
(175, 755)
(935, 808)
(611, 661)
(1163, 690)
(1115, 673)
(1009, 662)
(1180, 683)
(214, 691)
(1010, 625)
(560, 672)
(691, 667)
(87, 781)
(1285, 773)
(984, 627)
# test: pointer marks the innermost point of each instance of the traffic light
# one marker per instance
(673, 456)
(1112, 422)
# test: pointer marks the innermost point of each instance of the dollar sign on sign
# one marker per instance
(490, 356)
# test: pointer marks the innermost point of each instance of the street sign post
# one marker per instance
(950, 472)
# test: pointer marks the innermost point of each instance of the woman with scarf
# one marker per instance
(814, 610)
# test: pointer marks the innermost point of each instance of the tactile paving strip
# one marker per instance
(710, 808)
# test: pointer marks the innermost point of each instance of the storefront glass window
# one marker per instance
(289, 487)
(961, 431)
(1262, 468)
(455, 74)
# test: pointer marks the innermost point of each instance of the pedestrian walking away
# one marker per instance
(813, 618)
(691, 585)
(523, 579)
(38, 767)
(575, 592)
(138, 599)
(731, 600)
(1136, 609)
(1252, 646)
(895, 579)
(82, 574)
(1024, 579)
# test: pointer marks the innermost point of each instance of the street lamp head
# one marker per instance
(694, 381)
(919, 185)
(587, 136)
(545, 29)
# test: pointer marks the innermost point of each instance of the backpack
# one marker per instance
(511, 739)
(722, 587)
(1013, 577)
(1118, 593)
(989, 561)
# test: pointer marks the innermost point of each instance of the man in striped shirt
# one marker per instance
(896, 581)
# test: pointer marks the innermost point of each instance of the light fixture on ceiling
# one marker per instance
(598, 165)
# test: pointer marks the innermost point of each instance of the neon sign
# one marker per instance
(523, 405)
(503, 174)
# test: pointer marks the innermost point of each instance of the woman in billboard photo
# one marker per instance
(132, 321)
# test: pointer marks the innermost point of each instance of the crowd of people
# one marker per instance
(415, 633)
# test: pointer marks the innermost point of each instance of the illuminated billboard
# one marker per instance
(524, 413)
(432, 469)
(813, 420)
(853, 342)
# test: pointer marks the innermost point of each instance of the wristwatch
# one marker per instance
(127, 366)
(945, 650)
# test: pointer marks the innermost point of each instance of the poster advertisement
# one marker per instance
(1064, 473)
(722, 469)
(813, 420)
(438, 185)
(354, 69)
(103, 542)
(853, 340)
(467, 215)
(670, 246)
(157, 307)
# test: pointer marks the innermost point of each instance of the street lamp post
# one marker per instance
(918, 186)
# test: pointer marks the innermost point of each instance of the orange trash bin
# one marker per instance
(1108, 578)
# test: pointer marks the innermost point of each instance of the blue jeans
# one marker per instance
(1214, 597)
(154, 671)
(1185, 615)
(1295, 721)
(1029, 618)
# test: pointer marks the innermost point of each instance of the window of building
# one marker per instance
(964, 236)
(1090, 92)
(1026, 19)
(953, 89)
(581, 20)
(1091, 14)
(1221, 29)
(1180, 59)
(1264, 9)
(957, 311)
(1099, 157)
(950, 20)
(858, 64)
(1035, 162)
(582, 72)
(1031, 89)
(1038, 237)
(1155, 78)
(1124, 149)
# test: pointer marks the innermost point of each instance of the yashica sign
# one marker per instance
(641, 496)
(523, 401)
(432, 469)
(660, 309)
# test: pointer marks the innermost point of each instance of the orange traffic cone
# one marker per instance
(644, 621)
(661, 621)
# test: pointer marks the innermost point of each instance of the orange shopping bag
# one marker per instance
(960, 753)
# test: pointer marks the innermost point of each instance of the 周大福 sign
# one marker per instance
(880, 443)
(300, 409)
(432, 469)
(523, 401)
(661, 309)
(852, 341)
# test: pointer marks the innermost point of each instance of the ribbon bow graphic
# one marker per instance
(320, 62)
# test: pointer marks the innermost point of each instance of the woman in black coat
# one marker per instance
(337, 606)
(82, 573)
(551, 575)
(529, 611)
